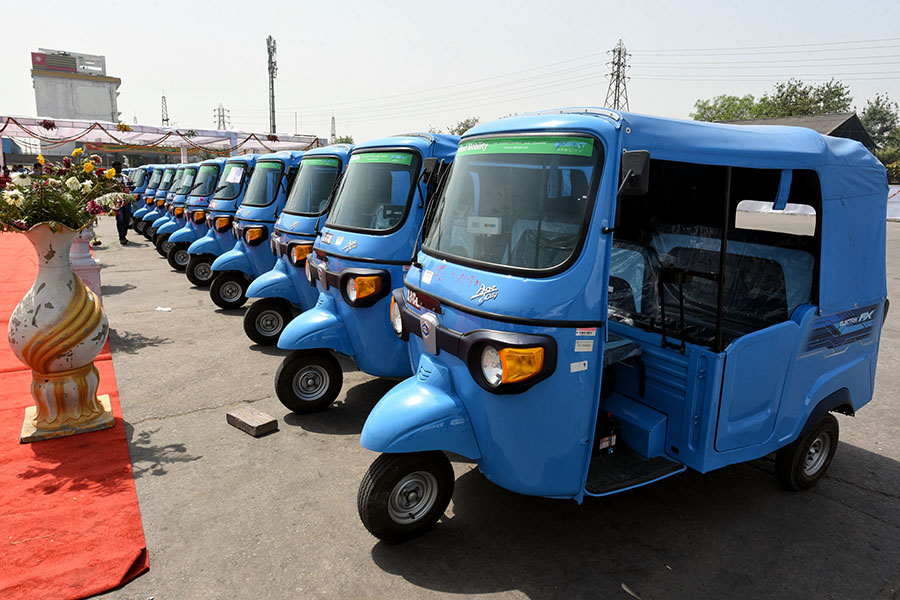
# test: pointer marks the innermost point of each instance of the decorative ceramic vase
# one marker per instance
(57, 330)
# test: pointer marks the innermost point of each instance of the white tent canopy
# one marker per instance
(63, 131)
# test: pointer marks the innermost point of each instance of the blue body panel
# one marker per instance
(370, 339)
(701, 408)
(256, 260)
(147, 193)
(190, 230)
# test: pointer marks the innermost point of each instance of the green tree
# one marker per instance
(881, 120)
(788, 99)
(462, 126)
(343, 139)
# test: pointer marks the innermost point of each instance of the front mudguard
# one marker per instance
(160, 222)
(275, 284)
(319, 327)
(421, 414)
(139, 213)
(204, 245)
(170, 226)
(233, 260)
(151, 216)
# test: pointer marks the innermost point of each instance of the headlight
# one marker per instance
(299, 252)
(396, 317)
(179, 210)
(491, 367)
(198, 216)
(222, 224)
(254, 235)
(363, 286)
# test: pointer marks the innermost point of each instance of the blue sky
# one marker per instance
(394, 66)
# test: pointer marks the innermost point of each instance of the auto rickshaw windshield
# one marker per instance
(167, 179)
(230, 186)
(137, 178)
(312, 188)
(517, 201)
(187, 181)
(264, 183)
(154, 179)
(375, 191)
(206, 179)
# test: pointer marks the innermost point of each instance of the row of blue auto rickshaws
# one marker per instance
(576, 300)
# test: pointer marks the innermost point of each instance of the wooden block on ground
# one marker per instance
(252, 421)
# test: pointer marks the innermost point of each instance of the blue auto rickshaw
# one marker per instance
(176, 218)
(593, 310)
(148, 199)
(166, 208)
(138, 179)
(219, 236)
(254, 222)
(362, 253)
(285, 287)
(196, 204)
(157, 209)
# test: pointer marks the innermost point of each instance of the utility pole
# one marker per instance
(165, 111)
(617, 95)
(273, 71)
(222, 117)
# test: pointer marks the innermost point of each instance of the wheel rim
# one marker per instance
(817, 454)
(181, 256)
(311, 382)
(165, 247)
(203, 272)
(412, 497)
(269, 322)
(230, 291)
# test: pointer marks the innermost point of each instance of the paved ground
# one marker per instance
(229, 516)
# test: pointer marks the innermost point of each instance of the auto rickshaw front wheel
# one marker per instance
(229, 289)
(403, 495)
(163, 245)
(266, 318)
(801, 464)
(178, 256)
(308, 380)
(199, 269)
(149, 231)
(140, 226)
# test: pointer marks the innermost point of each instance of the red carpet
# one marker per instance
(70, 525)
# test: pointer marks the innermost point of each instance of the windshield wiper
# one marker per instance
(440, 169)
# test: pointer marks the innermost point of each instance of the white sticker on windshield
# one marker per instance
(427, 275)
(234, 175)
(484, 225)
(577, 367)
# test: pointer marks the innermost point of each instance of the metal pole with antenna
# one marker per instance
(273, 71)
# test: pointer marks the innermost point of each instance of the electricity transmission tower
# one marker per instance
(333, 130)
(273, 71)
(165, 111)
(222, 117)
(617, 95)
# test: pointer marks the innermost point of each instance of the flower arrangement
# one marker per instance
(47, 124)
(272, 137)
(70, 193)
(123, 126)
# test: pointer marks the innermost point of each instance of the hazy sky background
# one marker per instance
(390, 66)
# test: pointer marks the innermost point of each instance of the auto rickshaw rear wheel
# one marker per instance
(801, 464)
(228, 289)
(266, 319)
(178, 256)
(308, 380)
(199, 269)
(403, 495)
(163, 245)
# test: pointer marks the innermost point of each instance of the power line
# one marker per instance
(890, 39)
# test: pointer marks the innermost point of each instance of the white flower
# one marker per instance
(22, 181)
(86, 186)
(51, 181)
(73, 184)
(14, 197)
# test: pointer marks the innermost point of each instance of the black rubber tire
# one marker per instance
(140, 226)
(385, 478)
(176, 256)
(149, 230)
(266, 319)
(799, 465)
(199, 271)
(320, 364)
(223, 283)
(162, 245)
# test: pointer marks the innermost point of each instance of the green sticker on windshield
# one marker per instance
(321, 162)
(396, 158)
(268, 165)
(571, 146)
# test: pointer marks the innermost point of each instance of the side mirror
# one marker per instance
(635, 173)
(429, 167)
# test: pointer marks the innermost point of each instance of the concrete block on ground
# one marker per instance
(252, 421)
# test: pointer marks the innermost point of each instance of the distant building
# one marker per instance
(843, 125)
(69, 85)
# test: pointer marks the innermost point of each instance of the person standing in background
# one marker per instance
(123, 214)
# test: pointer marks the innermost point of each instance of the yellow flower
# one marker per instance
(110, 173)
(88, 167)
(77, 151)
(40, 159)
